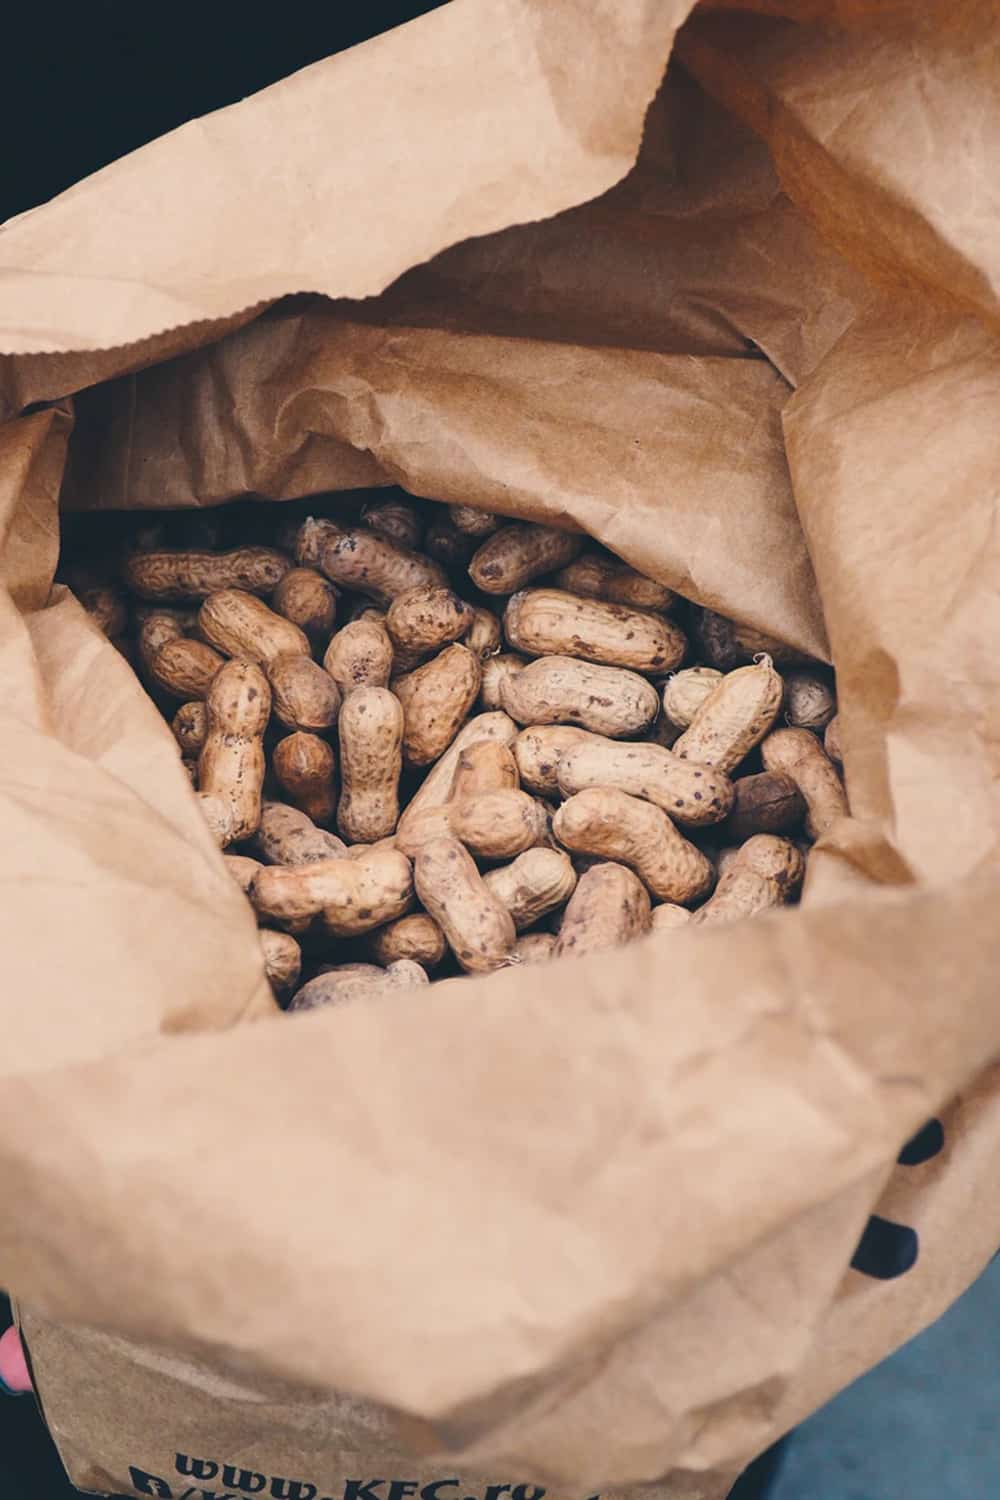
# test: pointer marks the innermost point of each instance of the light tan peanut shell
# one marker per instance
(537, 752)
(190, 725)
(352, 895)
(106, 608)
(375, 565)
(177, 576)
(493, 825)
(231, 765)
(309, 600)
(534, 948)
(310, 539)
(437, 699)
(349, 984)
(359, 655)
(597, 577)
(495, 670)
(516, 554)
(473, 522)
(484, 636)
(685, 692)
(690, 793)
(427, 617)
(243, 869)
(479, 930)
(447, 545)
(618, 827)
(357, 851)
(239, 624)
(486, 766)
(765, 872)
(550, 622)
(304, 767)
(668, 915)
(537, 882)
(287, 836)
(282, 960)
(734, 717)
(435, 788)
(563, 690)
(610, 907)
(156, 631)
(304, 696)
(371, 761)
(810, 702)
(799, 754)
(216, 811)
(400, 520)
(766, 803)
(831, 740)
(185, 669)
(416, 937)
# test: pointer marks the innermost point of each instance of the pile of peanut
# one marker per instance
(429, 738)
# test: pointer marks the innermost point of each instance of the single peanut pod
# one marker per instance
(190, 725)
(767, 803)
(371, 762)
(563, 690)
(537, 752)
(195, 575)
(304, 695)
(668, 915)
(765, 872)
(495, 671)
(359, 655)
(349, 984)
(597, 577)
(447, 545)
(437, 699)
(282, 960)
(473, 522)
(106, 608)
(287, 836)
(416, 937)
(534, 948)
(314, 533)
(352, 895)
(484, 636)
(479, 930)
(156, 631)
(535, 883)
(609, 908)
(304, 767)
(486, 766)
(185, 668)
(400, 520)
(514, 555)
(309, 600)
(243, 869)
(685, 692)
(375, 565)
(231, 765)
(239, 624)
(550, 622)
(810, 702)
(690, 793)
(734, 717)
(425, 618)
(435, 789)
(499, 825)
(618, 827)
(799, 754)
(831, 741)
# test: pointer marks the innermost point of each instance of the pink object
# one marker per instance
(13, 1365)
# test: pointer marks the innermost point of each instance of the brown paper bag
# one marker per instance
(593, 1228)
